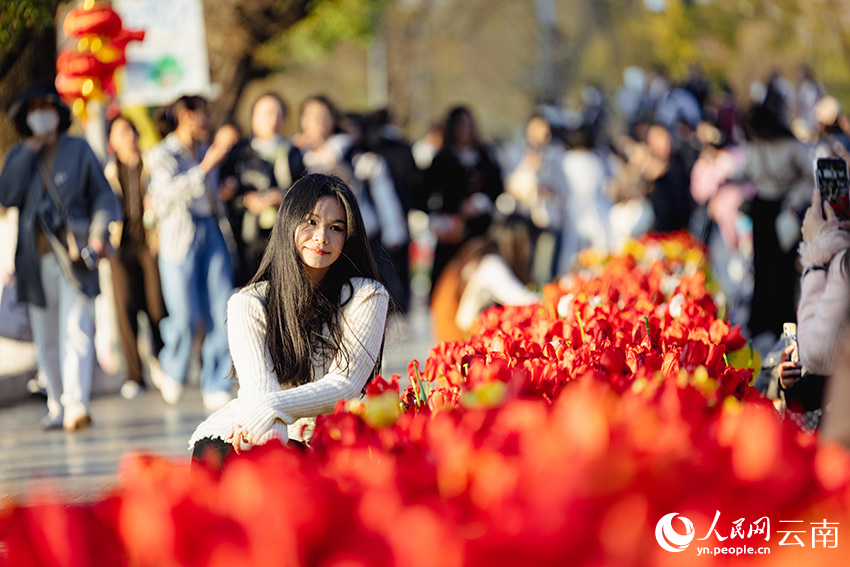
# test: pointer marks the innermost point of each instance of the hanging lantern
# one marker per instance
(75, 64)
(73, 88)
(88, 72)
(97, 21)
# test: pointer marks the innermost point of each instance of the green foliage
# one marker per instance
(735, 41)
(326, 23)
(18, 16)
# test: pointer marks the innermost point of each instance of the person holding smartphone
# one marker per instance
(824, 299)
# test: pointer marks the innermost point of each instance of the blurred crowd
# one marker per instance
(451, 217)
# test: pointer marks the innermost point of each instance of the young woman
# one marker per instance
(308, 330)
(57, 185)
(194, 261)
(327, 149)
(781, 168)
(460, 187)
(259, 168)
(821, 313)
(488, 270)
(135, 275)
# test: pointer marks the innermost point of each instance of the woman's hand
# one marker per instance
(255, 202)
(789, 371)
(237, 437)
(98, 245)
(228, 189)
(37, 142)
(820, 217)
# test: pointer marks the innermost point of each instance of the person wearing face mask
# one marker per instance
(65, 206)
(194, 261)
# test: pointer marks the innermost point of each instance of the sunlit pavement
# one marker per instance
(82, 465)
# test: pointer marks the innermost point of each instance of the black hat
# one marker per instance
(17, 113)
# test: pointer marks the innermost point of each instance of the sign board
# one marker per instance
(172, 60)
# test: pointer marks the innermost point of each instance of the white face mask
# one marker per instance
(43, 121)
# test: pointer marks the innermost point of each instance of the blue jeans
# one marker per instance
(194, 290)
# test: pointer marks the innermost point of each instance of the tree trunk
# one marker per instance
(234, 32)
(31, 60)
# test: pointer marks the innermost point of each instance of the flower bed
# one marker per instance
(559, 434)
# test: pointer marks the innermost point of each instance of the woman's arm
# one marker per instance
(393, 222)
(495, 279)
(104, 204)
(246, 335)
(823, 303)
(823, 289)
(171, 187)
(15, 175)
(363, 323)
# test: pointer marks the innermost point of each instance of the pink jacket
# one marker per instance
(824, 299)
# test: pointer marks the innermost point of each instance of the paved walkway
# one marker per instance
(81, 465)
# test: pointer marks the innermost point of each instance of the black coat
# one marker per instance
(448, 183)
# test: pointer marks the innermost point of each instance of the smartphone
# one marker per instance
(89, 257)
(833, 183)
(789, 333)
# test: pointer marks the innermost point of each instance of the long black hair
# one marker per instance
(453, 119)
(297, 309)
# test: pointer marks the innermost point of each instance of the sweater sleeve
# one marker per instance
(494, 280)
(820, 314)
(169, 186)
(495, 275)
(364, 319)
(246, 335)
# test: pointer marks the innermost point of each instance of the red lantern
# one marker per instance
(76, 64)
(120, 40)
(102, 21)
(72, 88)
(88, 71)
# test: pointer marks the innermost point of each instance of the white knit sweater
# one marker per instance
(265, 410)
(823, 299)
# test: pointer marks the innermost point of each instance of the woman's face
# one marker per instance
(196, 122)
(42, 117)
(267, 118)
(122, 137)
(538, 134)
(316, 120)
(464, 132)
(320, 237)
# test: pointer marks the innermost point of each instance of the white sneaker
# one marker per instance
(76, 418)
(153, 370)
(130, 390)
(216, 400)
(171, 389)
(51, 421)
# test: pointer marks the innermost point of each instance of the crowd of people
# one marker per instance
(196, 218)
